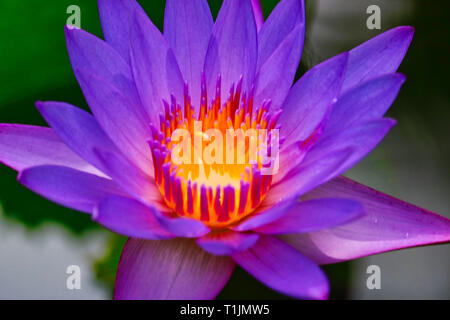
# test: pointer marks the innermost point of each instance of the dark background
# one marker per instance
(411, 164)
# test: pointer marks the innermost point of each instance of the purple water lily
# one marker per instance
(186, 236)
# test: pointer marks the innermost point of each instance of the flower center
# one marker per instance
(215, 166)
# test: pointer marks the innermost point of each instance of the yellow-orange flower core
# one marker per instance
(220, 193)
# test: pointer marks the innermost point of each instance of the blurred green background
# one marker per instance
(412, 164)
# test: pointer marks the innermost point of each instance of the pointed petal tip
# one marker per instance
(409, 30)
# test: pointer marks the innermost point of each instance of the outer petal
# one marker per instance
(327, 158)
(284, 269)
(363, 137)
(380, 55)
(187, 27)
(389, 224)
(115, 114)
(227, 242)
(77, 128)
(286, 16)
(368, 101)
(313, 215)
(275, 77)
(154, 65)
(171, 269)
(232, 50)
(130, 218)
(309, 99)
(91, 53)
(116, 16)
(68, 187)
(24, 146)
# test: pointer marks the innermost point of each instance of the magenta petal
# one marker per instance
(313, 215)
(187, 28)
(275, 76)
(233, 49)
(170, 269)
(77, 128)
(227, 242)
(179, 226)
(129, 218)
(369, 100)
(116, 16)
(389, 224)
(380, 55)
(68, 187)
(282, 268)
(154, 66)
(25, 146)
(309, 99)
(286, 16)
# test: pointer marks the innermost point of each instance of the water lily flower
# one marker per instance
(188, 230)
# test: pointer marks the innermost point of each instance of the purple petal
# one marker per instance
(282, 268)
(77, 128)
(187, 27)
(24, 146)
(114, 112)
(275, 77)
(68, 187)
(93, 54)
(363, 137)
(181, 227)
(129, 177)
(389, 224)
(380, 55)
(130, 218)
(360, 139)
(232, 50)
(286, 16)
(154, 66)
(313, 215)
(227, 242)
(257, 12)
(306, 177)
(370, 100)
(116, 16)
(309, 99)
(170, 269)
(292, 156)
(265, 213)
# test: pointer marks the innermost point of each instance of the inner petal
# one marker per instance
(215, 166)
